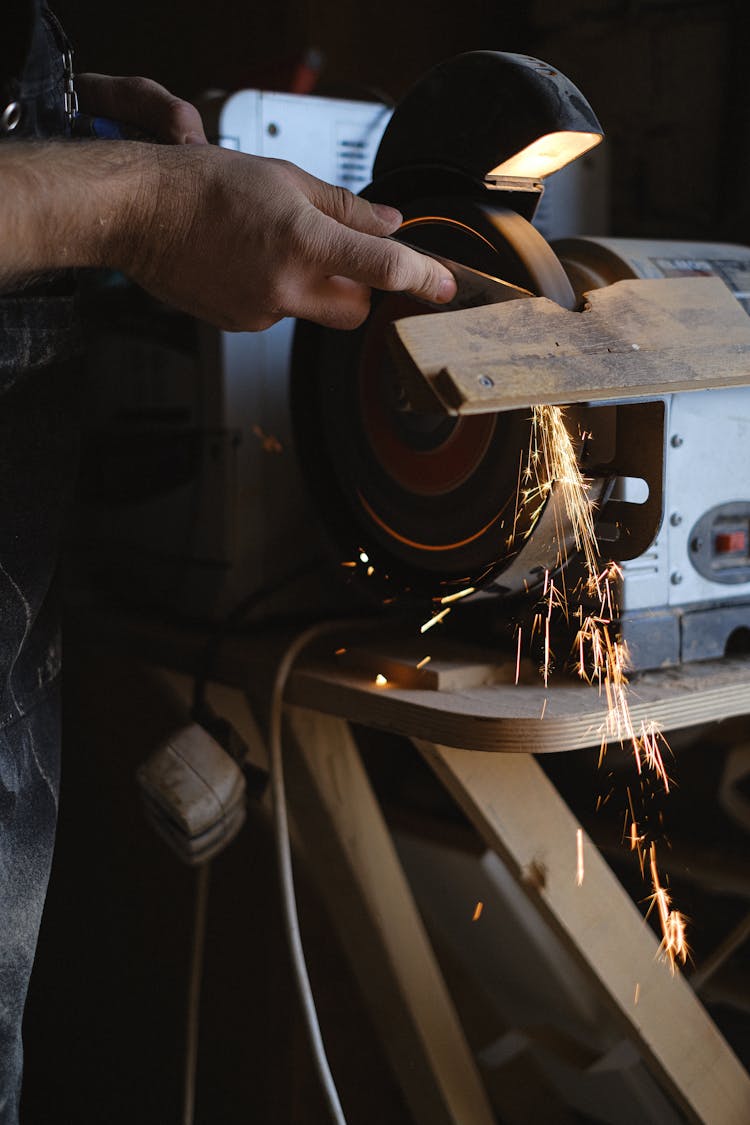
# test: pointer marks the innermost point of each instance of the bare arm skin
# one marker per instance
(237, 240)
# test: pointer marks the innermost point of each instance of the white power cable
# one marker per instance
(284, 856)
(288, 898)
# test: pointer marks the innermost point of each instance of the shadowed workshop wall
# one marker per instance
(666, 77)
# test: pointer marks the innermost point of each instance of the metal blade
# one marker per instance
(474, 287)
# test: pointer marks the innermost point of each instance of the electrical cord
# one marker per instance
(284, 857)
(192, 1022)
(201, 713)
(210, 654)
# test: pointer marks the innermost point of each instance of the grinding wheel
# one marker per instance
(431, 499)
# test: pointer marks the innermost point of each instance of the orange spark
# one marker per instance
(600, 655)
(674, 946)
(459, 594)
(434, 620)
(478, 911)
(269, 442)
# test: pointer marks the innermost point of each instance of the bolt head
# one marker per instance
(675, 519)
(675, 578)
(485, 381)
(676, 441)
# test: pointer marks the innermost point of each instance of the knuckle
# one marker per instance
(344, 204)
(291, 238)
(138, 86)
(395, 272)
(285, 168)
(182, 113)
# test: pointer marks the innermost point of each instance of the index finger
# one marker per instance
(384, 263)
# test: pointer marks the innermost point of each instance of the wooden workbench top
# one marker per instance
(464, 696)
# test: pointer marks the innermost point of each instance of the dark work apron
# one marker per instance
(39, 422)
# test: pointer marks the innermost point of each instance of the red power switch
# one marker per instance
(731, 543)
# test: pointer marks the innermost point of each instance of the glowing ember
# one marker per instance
(269, 442)
(460, 594)
(339, 651)
(600, 655)
(579, 857)
(561, 464)
(674, 946)
(436, 619)
(478, 911)
(380, 680)
(423, 661)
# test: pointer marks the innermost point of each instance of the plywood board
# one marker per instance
(634, 339)
(523, 718)
(520, 815)
(499, 716)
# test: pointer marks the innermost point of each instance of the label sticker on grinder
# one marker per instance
(734, 273)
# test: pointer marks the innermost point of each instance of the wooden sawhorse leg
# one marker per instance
(521, 816)
(349, 851)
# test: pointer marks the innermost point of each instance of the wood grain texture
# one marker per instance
(498, 716)
(521, 816)
(507, 717)
(349, 849)
(634, 339)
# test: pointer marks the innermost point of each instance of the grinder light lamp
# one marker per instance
(488, 116)
(546, 155)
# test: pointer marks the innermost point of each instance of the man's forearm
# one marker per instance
(237, 240)
(68, 205)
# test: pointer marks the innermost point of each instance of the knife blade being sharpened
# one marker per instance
(474, 288)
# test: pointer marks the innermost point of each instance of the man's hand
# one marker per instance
(237, 240)
(243, 241)
(142, 103)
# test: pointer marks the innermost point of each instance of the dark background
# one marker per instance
(669, 83)
(667, 78)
